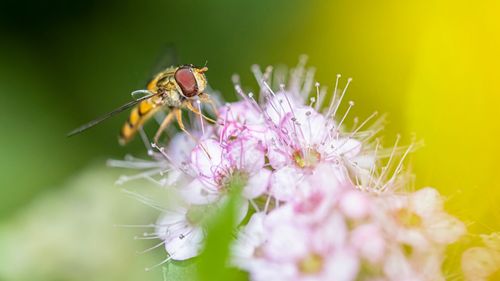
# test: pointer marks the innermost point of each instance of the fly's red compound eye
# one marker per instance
(185, 78)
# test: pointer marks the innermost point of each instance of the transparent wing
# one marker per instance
(108, 115)
(140, 93)
(167, 57)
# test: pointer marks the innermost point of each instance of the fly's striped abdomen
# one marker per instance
(138, 116)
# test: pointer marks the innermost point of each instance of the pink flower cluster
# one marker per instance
(350, 236)
(324, 202)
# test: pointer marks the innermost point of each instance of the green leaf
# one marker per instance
(180, 271)
(214, 262)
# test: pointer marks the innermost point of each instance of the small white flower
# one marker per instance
(483, 263)
(420, 220)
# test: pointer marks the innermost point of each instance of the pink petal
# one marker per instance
(369, 241)
(329, 178)
(246, 154)
(343, 266)
(354, 204)
(206, 157)
(330, 235)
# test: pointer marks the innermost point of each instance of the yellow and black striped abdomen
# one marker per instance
(138, 116)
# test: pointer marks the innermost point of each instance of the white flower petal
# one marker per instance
(257, 184)
(345, 147)
(284, 183)
(286, 242)
(180, 147)
(186, 245)
(278, 106)
(197, 193)
(364, 161)
(169, 221)
(479, 263)
(277, 158)
(397, 267)
(426, 202)
(310, 126)
(444, 229)
(412, 237)
(241, 111)
(249, 239)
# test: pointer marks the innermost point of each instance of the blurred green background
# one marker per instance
(432, 65)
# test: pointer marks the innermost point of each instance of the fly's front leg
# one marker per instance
(205, 98)
(195, 110)
(178, 115)
(168, 119)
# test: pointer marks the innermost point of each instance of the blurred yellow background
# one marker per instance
(432, 65)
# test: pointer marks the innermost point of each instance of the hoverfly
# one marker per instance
(175, 88)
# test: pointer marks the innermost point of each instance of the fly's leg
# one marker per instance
(195, 110)
(168, 119)
(205, 98)
(178, 116)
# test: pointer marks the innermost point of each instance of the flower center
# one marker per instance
(407, 218)
(309, 159)
(258, 252)
(311, 264)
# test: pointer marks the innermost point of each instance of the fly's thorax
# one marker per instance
(173, 98)
(166, 83)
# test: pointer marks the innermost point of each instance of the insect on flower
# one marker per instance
(175, 88)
